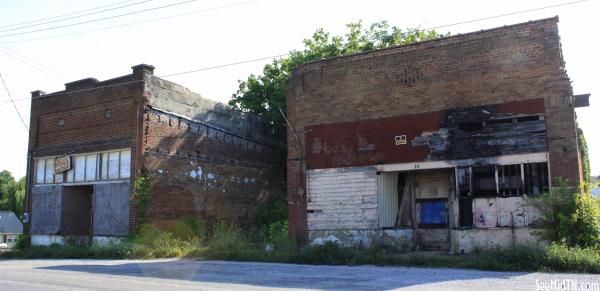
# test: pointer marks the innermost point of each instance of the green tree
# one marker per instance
(265, 94)
(12, 193)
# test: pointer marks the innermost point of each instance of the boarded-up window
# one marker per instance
(113, 165)
(58, 177)
(79, 168)
(70, 175)
(104, 166)
(125, 164)
(536, 178)
(86, 168)
(509, 180)
(40, 170)
(49, 171)
(90, 167)
(484, 181)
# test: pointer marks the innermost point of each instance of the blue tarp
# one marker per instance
(433, 212)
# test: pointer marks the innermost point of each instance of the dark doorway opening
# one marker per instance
(76, 217)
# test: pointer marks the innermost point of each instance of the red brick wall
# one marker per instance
(86, 129)
(511, 63)
(197, 169)
(370, 142)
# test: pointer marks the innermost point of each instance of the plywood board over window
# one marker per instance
(40, 167)
(113, 165)
(49, 171)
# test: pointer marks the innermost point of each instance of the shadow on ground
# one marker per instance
(283, 275)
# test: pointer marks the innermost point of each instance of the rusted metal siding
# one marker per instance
(483, 131)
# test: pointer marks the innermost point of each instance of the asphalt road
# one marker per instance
(219, 275)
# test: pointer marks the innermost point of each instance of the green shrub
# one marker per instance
(274, 210)
(278, 235)
(181, 231)
(569, 216)
(521, 258)
(197, 227)
(559, 257)
(23, 242)
(585, 222)
(150, 236)
(226, 238)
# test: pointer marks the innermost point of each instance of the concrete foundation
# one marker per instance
(46, 240)
(464, 241)
(106, 240)
(396, 238)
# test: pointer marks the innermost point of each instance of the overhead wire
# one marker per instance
(161, 76)
(13, 102)
(506, 14)
(66, 14)
(77, 16)
(137, 22)
(282, 55)
(31, 62)
(99, 19)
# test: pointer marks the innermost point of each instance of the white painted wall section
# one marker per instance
(342, 198)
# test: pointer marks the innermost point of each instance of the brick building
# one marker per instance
(433, 145)
(90, 142)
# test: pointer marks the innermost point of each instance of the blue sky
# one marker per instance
(241, 31)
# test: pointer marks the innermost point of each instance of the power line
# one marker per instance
(224, 65)
(100, 19)
(30, 62)
(507, 14)
(138, 22)
(13, 102)
(77, 16)
(281, 55)
(67, 14)
(162, 76)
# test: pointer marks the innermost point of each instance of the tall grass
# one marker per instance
(191, 238)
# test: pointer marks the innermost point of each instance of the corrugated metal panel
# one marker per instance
(387, 198)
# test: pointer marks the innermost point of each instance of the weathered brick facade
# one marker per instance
(491, 67)
(201, 169)
(203, 158)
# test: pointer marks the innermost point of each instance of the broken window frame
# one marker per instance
(541, 177)
(483, 191)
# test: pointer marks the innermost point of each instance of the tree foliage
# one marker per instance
(570, 217)
(585, 159)
(141, 197)
(12, 193)
(264, 94)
